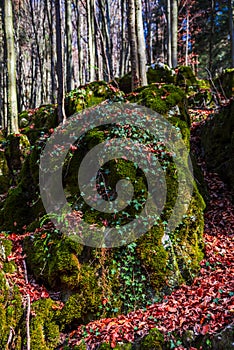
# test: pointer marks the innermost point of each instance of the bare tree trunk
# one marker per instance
(174, 34)
(231, 29)
(91, 34)
(140, 43)
(60, 70)
(169, 31)
(187, 39)
(106, 37)
(212, 25)
(123, 39)
(11, 69)
(133, 45)
(49, 13)
(68, 31)
(149, 31)
(38, 59)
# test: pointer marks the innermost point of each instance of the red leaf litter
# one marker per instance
(207, 305)
(19, 277)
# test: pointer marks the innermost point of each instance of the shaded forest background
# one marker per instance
(82, 41)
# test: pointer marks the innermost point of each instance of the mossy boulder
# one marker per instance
(217, 140)
(197, 90)
(186, 78)
(106, 276)
(44, 330)
(153, 341)
(96, 283)
(16, 148)
(23, 204)
(160, 73)
(155, 74)
(90, 95)
(168, 100)
(4, 170)
(225, 82)
(11, 307)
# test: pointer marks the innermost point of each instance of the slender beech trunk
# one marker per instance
(106, 37)
(141, 48)
(187, 39)
(60, 70)
(91, 34)
(133, 45)
(68, 31)
(231, 29)
(123, 39)
(149, 31)
(11, 69)
(174, 33)
(38, 56)
(169, 31)
(212, 29)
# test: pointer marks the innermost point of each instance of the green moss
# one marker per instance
(44, 118)
(186, 78)
(44, 331)
(54, 260)
(161, 99)
(89, 95)
(188, 238)
(4, 170)
(153, 341)
(11, 308)
(160, 75)
(154, 256)
(225, 82)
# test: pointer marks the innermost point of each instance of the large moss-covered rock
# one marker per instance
(14, 150)
(217, 139)
(197, 90)
(225, 82)
(96, 283)
(107, 275)
(157, 73)
(90, 95)
(11, 307)
(168, 100)
(23, 204)
(160, 73)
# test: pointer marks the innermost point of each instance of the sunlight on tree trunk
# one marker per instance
(137, 44)
(60, 70)
(11, 69)
(169, 58)
(141, 48)
(174, 34)
(68, 31)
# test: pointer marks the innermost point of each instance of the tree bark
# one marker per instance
(11, 69)
(169, 31)
(133, 45)
(68, 31)
(141, 48)
(231, 29)
(174, 34)
(60, 70)
(212, 29)
(91, 43)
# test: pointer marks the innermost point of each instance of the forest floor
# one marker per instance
(205, 306)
